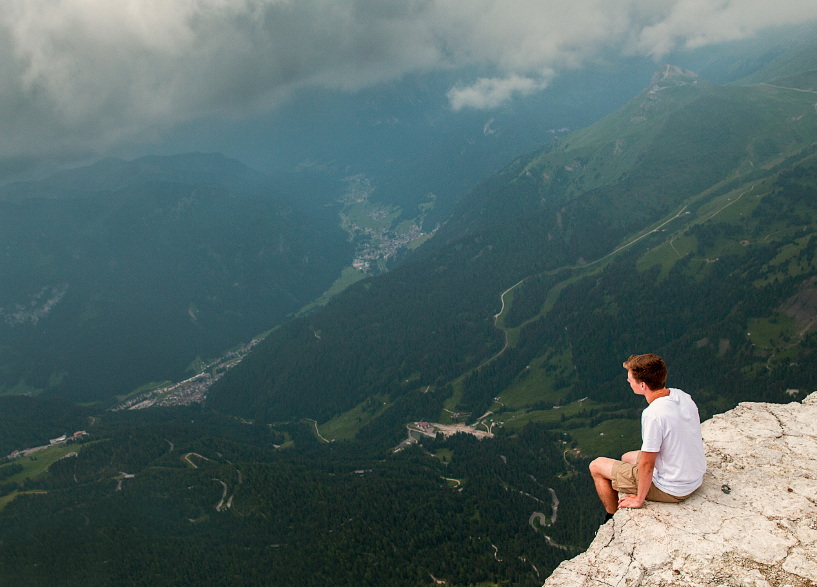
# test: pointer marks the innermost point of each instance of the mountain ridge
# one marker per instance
(112, 174)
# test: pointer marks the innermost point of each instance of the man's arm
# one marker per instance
(646, 465)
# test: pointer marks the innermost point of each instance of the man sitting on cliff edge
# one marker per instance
(671, 462)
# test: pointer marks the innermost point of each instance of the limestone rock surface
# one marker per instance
(753, 523)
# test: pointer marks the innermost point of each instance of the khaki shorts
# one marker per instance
(625, 480)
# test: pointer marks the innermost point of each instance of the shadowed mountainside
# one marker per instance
(125, 272)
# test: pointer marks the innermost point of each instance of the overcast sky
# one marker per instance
(89, 75)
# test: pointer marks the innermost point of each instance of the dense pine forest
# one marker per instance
(139, 507)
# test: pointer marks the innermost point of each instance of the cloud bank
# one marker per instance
(86, 74)
(489, 93)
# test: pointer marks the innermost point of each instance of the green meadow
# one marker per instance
(35, 465)
(346, 425)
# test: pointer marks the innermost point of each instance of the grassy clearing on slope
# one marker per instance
(346, 425)
(452, 402)
(552, 415)
(7, 499)
(734, 207)
(508, 299)
(36, 465)
(146, 387)
(546, 380)
(444, 455)
(21, 388)
(371, 216)
(788, 261)
(610, 438)
(404, 227)
(348, 276)
(768, 334)
(666, 254)
(789, 264)
(418, 241)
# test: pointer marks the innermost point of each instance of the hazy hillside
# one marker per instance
(124, 273)
(680, 150)
(675, 139)
(793, 68)
(110, 175)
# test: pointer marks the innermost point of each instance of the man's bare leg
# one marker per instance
(602, 471)
(630, 457)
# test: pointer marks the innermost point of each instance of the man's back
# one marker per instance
(671, 426)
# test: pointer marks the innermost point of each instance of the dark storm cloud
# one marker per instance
(87, 74)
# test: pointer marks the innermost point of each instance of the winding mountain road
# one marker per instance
(223, 495)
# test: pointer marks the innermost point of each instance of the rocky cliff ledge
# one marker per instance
(752, 523)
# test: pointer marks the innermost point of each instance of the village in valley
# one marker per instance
(370, 225)
(192, 390)
(382, 244)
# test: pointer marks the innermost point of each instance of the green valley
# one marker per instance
(683, 224)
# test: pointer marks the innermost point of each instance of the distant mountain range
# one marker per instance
(127, 272)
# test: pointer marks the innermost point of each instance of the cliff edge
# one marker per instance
(752, 523)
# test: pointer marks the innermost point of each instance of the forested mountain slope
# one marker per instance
(668, 161)
(124, 273)
(183, 496)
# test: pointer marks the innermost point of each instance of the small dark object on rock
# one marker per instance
(726, 489)
(676, 571)
(790, 489)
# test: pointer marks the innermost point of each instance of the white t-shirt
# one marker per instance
(671, 427)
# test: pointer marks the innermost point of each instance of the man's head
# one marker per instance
(647, 369)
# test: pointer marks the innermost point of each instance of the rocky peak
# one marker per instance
(672, 75)
(752, 523)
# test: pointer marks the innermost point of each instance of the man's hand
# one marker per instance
(630, 501)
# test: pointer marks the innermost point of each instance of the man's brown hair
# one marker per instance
(649, 369)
